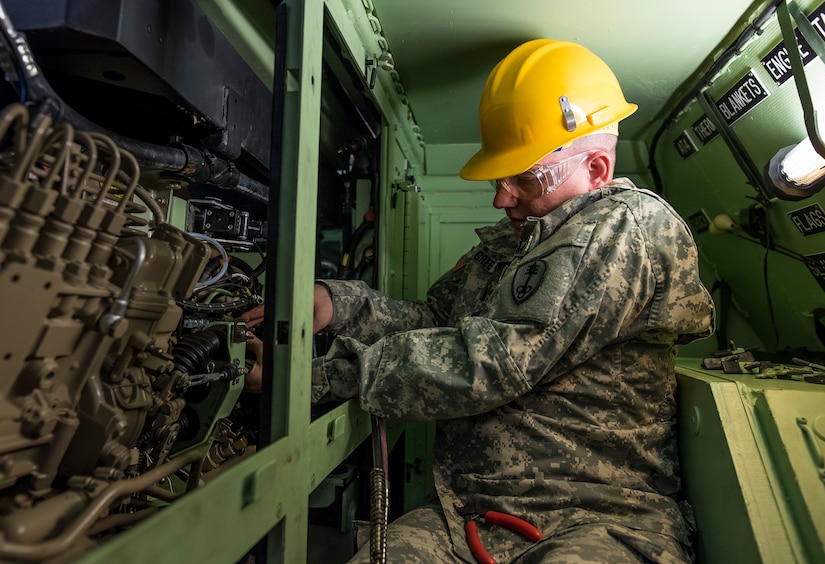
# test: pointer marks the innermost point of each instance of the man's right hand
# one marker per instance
(322, 313)
(253, 317)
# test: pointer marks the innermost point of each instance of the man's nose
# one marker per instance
(503, 198)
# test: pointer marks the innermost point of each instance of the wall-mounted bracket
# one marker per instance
(784, 12)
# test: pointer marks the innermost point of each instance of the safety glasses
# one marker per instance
(536, 182)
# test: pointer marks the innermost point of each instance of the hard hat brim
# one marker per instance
(492, 165)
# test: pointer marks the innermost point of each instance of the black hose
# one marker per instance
(241, 304)
(192, 349)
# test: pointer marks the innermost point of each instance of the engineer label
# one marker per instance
(777, 63)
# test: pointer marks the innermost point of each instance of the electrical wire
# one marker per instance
(224, 257)
(768, 297)
(771, 311)
(774, 247)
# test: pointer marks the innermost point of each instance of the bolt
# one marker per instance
(695, 420)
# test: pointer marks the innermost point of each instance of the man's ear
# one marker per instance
(600, 169)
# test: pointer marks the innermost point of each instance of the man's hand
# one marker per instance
(253, 317)
(322, 313)
(321, 317)
(252, 382)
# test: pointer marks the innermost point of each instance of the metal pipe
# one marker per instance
(87, 518)
(109, 321)
(786, 11)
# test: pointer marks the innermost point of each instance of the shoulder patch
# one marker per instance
(527, 279)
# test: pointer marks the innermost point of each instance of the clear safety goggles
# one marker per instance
(536, 182)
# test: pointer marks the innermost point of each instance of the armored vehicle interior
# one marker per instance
(168, 164)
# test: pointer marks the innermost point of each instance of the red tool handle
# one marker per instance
(513, 523)
(480, 554)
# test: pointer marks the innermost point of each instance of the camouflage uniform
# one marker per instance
(548, 364)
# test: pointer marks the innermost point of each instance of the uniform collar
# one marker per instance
(499, 239)
(537, 229)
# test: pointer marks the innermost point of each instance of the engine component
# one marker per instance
(216, 219)
(104, 391)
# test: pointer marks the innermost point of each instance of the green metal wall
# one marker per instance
(773, 295)
(772, 298)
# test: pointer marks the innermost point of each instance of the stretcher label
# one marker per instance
(699, 222)
(816, 264)
(685, 145)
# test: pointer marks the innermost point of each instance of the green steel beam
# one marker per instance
(221, 521)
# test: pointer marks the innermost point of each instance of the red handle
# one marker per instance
(513, 523)
(481, 555)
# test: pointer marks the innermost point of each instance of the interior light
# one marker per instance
(797, 171)
(722, 223)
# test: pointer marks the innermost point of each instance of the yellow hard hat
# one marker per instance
(540, 97)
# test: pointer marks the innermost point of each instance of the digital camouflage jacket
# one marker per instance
(547, 362)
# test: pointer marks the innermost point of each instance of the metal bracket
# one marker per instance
(784, 12)
(567, 113)
(738, 151)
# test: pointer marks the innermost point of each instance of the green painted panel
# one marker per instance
(447, 212)
(736, 475)
(773, 289)
(794, 424)
(396, 180)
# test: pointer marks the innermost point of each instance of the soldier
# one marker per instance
(546, 356)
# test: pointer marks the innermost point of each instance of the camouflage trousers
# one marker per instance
(421, 536)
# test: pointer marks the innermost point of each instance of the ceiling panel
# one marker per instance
(443, 49)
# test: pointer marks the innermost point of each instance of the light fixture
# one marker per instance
(796, 172)
(722, 223)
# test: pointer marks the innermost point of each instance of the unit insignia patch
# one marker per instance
(527, 279)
